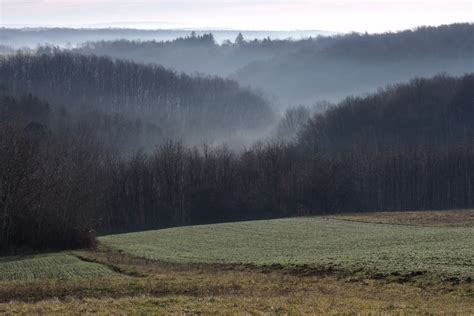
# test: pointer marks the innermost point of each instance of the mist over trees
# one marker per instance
(160, 103)
(407, 147)
(355, 64)
(308, 70)
(196, 53)
(296, 118)
(301, 71)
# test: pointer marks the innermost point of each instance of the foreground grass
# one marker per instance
(310, 303)
(46, 266)
(164, 288)
(319, 243)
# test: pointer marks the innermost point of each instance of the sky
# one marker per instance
(329, 15)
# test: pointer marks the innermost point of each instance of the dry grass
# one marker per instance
(311, 303)
(148, 286)
(453, 218)
(199, 288)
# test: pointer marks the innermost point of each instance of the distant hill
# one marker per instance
(310, 69)
(448, 41)
(196, 52)
(32, 37)
(360, 63)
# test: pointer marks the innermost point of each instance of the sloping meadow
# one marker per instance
(320, 243)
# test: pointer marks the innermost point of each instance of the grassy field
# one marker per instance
(319, 243)
(352, 264)
(47, 266)
(148, 286)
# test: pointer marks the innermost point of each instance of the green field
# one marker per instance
(49, 266)
(318, 242)
(310, 242)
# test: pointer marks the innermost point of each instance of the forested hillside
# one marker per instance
(408, 147)
(449, 41)
(304, 71)
(425, 112)
(359, 63)
(193, 108)
(195, 53)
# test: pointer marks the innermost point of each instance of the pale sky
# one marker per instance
(329, 15)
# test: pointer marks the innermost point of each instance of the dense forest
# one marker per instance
(408, 147)
(435, 111)
(161, 103)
